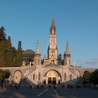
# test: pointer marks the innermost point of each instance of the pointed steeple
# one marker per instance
(67, 49)
(37, 48)
(37, 57)
(53, 24)
(53, 28)
(67, 56)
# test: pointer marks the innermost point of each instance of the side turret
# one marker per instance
(67, 56)
(37, 57)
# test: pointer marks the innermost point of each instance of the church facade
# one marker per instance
(53, 70)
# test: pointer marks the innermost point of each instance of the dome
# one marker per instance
(28, 55)
(28, 51)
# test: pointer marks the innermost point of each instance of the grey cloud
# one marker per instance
(90, 62)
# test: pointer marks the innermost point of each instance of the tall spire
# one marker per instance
(67, 49)
(52, 49)
(53, 28)
(37, 48)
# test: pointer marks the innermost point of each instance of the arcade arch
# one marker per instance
(17, 76)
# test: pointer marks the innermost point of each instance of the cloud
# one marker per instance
(90, 63)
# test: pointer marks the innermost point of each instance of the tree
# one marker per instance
(86, 77)
(2, 34)
(14, 54)
(9, 54)
(19, 54)
(1, 75)
(2, 47)
(94, 77)
(6, 74)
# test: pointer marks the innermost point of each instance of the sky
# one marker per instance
(75, 20)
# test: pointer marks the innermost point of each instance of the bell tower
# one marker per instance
(52, 48)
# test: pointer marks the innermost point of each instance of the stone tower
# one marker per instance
(37, 57)
(67, 56)
(52, 48)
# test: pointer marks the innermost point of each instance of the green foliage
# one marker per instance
(86, 77)
(19, 54)
(1, 74)
(2, 34)
(6, 73)
(2, 47)
(14, 53)
(94, 77)
(2, 53)
(9, 56)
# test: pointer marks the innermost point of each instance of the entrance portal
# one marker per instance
(52, 77)
(49, 80)
(52, 80)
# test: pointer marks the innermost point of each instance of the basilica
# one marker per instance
(53, 70)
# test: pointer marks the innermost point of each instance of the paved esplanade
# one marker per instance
(49, 93)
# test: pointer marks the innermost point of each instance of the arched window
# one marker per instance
(16, 77)
(39, 76)
(33, 76)
(65, 76)
(70, 77)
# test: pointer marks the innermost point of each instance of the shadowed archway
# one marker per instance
(52, 77)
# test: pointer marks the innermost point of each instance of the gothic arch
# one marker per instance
(52, 77)
(39, 76)
(54, 71)
(34, 77)
(86, 71)
(77, 72)
(64, 76)
(71, 77)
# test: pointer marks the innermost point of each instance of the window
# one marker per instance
(70, 77)
(33, 76)
(65, 76)
(39, 76)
